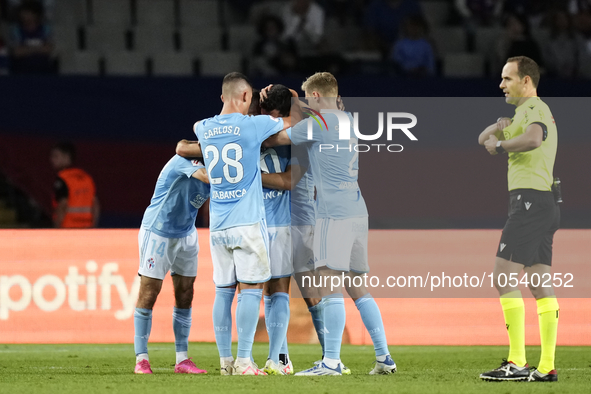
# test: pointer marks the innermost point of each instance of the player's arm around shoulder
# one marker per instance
(186, 149)
(201, 175)
(286, 180)
(293, 135)
(279, 139)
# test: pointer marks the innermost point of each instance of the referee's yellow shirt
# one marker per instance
(533, 169)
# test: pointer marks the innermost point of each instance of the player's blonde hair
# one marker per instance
(322, 82)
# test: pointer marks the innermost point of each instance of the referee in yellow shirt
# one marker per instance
(530, 139)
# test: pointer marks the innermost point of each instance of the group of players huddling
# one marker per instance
(278, 209)
(274, 213)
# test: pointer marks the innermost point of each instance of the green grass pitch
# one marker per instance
(89, 369)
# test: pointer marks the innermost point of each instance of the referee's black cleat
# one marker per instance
(507, 372)
(537, 376)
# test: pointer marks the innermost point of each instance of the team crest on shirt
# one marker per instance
(197, 200)
(150, 264)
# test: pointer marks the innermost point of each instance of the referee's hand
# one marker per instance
(491, 145)
(503, 123)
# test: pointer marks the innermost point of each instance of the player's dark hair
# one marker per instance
(255, 103)
(66, 147)
(527, 66)
(235, 77)
(279, 98)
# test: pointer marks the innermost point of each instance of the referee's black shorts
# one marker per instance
(534, 217)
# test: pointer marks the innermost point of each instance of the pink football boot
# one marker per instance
(143, 368)
(188, 366)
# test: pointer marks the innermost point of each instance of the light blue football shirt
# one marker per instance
(335, 170)
(231, 146)
(177, 197)
(277, 206)
(303, 205)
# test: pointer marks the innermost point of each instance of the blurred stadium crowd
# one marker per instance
(448, 38)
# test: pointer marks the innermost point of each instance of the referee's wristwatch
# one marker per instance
(500, 148)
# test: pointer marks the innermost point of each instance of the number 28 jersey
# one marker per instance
(231, 146)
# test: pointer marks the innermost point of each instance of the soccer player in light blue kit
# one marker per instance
(230, 144)
(298, 179)
(168, 241)
(281, 176)
(277, 209)
(341, 232)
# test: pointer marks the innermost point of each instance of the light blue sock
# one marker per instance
(284, 349)
(181, 325)
(238, 298)
(277, 324)
(317, 312)
(267, 301)
(372, 318)
(222, 320)
(334, 317)
(142, 322)
(247, 317)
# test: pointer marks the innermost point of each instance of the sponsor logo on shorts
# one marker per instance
(229, 241)
(150, 264)
(502, 247)
(527, 205)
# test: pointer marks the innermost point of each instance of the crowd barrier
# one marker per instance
(80, 286)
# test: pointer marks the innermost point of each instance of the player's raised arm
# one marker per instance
(295, 114)
(186, 149)
(295, 111)
(281, 138)
(284, 180)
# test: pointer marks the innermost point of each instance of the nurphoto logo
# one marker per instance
(391, 119)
